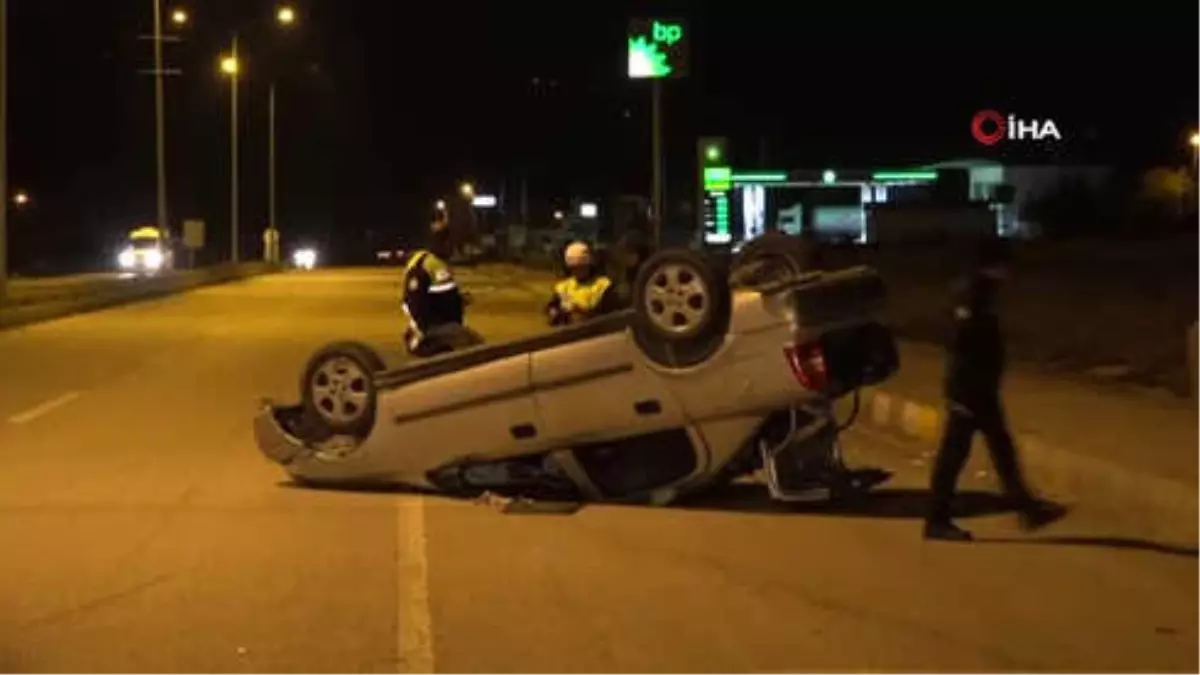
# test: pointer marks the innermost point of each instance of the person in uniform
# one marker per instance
(972, 390)
(582, 295)
(432, 298)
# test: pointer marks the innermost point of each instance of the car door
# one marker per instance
(599, 388)
(486, 410)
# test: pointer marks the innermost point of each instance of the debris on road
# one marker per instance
(508, 505)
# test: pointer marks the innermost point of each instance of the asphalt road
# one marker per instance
(141, 531)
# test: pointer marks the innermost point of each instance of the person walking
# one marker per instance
(976, 362)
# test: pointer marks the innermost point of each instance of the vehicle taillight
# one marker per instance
(808, 365)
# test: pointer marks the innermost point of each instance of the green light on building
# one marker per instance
(760, 177)
(885, 176)
(829, 176)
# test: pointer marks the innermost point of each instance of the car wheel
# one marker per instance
(338, 388)
(768, 257)
(683, 308)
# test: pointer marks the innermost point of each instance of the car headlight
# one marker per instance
(305, 258)
(126, 259)
(153, 259)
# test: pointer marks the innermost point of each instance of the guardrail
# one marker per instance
(78, 299)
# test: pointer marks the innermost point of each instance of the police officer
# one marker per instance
(431, 295)
(972, 389)
(582, 295)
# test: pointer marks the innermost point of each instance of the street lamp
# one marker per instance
(231, 67)
(467, 190)
(1194, 140)
(179, 17)
(440, 205)
(285, 17)
(21, 198)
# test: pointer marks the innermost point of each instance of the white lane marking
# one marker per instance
(415, 630)
(39, 410)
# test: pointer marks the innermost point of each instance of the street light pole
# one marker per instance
(160, 120)
(656, 152)
(3, 150)
(233, 154)
(272, 228)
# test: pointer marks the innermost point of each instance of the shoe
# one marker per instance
(946, 531)
(1040, 514)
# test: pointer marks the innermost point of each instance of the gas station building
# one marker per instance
(948, 199)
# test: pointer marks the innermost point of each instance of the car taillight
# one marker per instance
(807, 362)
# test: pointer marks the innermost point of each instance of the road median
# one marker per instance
(109, 293)
(1130, 452)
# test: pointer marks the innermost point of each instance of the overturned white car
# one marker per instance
(701, 382)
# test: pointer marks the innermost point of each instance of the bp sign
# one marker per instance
(658, 48)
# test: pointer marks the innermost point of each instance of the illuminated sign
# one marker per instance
(770, 177)
(657, 48)
(716, 218)
(886, 176)
(484, 201)
(588, 210)
(718, 178)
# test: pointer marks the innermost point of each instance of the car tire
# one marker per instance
(338, 389)
(769, 256)
(682, 306)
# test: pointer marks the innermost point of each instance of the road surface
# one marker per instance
(142, 531)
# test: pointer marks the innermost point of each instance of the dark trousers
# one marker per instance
(961, 424)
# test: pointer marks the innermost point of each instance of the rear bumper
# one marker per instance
(273, 440)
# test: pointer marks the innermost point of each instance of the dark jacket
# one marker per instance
(431, 295)
(976, 352)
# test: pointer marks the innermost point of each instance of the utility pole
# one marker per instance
(3, 150)
(160, 124)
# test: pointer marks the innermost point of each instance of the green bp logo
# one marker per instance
(649, 54)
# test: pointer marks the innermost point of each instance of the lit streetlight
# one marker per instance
(440, 205)
(179, 17)
(21, 198)
(230, 66)
(285, 15)
(1194, 141)
(467, 190)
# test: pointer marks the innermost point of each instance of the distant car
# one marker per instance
(304, 258)
(145, 252)
(701, 382)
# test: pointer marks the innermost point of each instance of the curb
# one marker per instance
(1153, 504)
(112, 295)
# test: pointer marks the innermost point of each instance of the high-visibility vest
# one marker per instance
(584, 296)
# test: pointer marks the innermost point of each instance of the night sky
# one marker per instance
(384, 106)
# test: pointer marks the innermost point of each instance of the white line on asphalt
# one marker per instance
(414, 633)
(39, 410)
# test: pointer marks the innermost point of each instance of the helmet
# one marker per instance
(578, 253)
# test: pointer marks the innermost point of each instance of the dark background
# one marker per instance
(384, 106)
